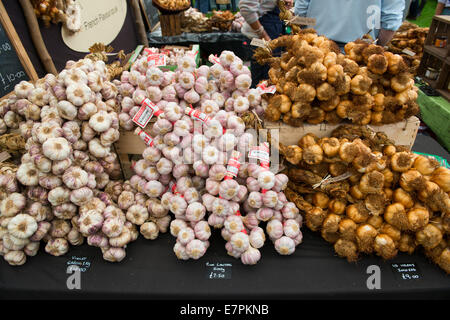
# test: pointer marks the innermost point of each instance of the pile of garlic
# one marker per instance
(381, 199)
(183, 170)
(69, 124)
(225, 85)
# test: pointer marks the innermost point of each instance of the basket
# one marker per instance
(170, 24)
(223, 1)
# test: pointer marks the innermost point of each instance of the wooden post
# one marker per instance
(139, 22)
(36, 36)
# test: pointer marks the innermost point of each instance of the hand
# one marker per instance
(266, 36)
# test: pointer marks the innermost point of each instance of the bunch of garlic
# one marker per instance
(316, 83)
(382, 199)
(69, 130)
(225, 85)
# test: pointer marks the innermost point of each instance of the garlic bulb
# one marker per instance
(27, 174)
(56, 148)
(22, 226)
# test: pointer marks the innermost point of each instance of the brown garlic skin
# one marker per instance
(384, 246)
(321, 200)
(402, 161)
(418, 218)
(425, 165)
(441, 176)
(346, 249)
(365, 236)
(429, 237)
(314, 218)
(395, 214)
(404, 198)
(357, 213)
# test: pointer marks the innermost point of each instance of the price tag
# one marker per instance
(81, 262)
(304, 21)
(145, 113)
(214, 59)
(233, 165)
(258, 43)
(151, 50)
(197, 115)
(148, 140)
(156, 59)
(263, 88)
(218, 271)
(406, 271)
(409, 52)
(261, 153)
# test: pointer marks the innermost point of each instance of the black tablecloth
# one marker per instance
(151, 270)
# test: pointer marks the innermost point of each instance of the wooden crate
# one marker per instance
(403, 133)
(128, 146)
(438, 58)
(170, 24)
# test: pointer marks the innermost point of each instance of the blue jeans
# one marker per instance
(274, 28)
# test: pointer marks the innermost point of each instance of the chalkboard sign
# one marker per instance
(15, 65)
(152, 13)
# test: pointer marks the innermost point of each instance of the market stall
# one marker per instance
(156, 174)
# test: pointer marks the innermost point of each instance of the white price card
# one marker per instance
(258, 43)
(409, 52)
(263, 88)
(304, 21)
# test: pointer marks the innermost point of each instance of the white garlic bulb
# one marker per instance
(22, 226)
(56, 148)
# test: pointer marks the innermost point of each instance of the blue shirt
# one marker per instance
(348, 20)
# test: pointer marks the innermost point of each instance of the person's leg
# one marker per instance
(413, 9)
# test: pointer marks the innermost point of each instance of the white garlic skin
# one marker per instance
(240, 242)
(57, 247)
(137, 214)
(56, 148)
(196, 249)
(22, 226)
(274, 229)
(15, 258)
(285, 246)
(12, 204)
(185, 235)
(180, 251)
(176, 225)
(27, 174)
(114, 254)
(202, 231)
(251, 256)
(32, 248)
(149, 230)
(257, 238)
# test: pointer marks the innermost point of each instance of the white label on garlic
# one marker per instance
(258, 43)
(328, 179)
(156, 60)
(261, 153)
(143, 116)
(214, 59)
(148, 140)
(263, 88)
(304, 21)
(409, 52)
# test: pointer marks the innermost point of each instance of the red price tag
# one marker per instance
(146, 138)
(145, 113)
(263, 88)
(233, 165)
(156, 59)
(197, 115)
